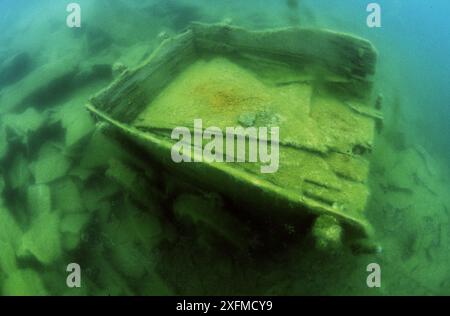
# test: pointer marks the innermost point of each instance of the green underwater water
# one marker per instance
(74, 191)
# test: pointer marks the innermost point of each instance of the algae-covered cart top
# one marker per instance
(313, 85)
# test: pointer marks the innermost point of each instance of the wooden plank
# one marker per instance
(130, 94)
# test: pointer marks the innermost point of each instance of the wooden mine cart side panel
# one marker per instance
(129, 95)
(352, 58)
(332, 55)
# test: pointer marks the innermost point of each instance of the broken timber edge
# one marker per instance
(348, 57)
(338, 54)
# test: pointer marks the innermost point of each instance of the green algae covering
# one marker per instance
(313, 85)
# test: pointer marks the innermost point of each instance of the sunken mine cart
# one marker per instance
(314, 85)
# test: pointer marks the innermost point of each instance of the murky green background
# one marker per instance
(71, 192)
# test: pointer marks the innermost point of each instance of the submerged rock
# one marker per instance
(99, 151)
(70, 241)
(10, 235)
(81, 173)
(8, 262)
(72, 227)
(24, 124)
(122, 174)
(99, 193)
(131, 241)
(10, 231)
(42, 240)
(24, 283)
(19, 175)
(131, 180)
(43, 86)
(77, 122)
(39, 199)
(51, 165)
(130, 261)
(74, 223)
(135, 227)
(66, 196)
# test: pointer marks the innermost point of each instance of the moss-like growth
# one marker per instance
(9, 230)
(327, 233)
(99, 151)
(8, 262)
(39, 199)
(66, 196)
(72, 227)
(51, 165)
(19, 174)
(42, 240)
(24, 283)
(23, 124)
(77, 123)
